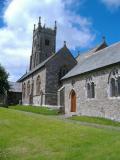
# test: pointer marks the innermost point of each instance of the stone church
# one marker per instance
(92, 87)
(86, 85)
(41, 83)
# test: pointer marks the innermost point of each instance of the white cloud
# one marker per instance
(112, 4)
(16, 36)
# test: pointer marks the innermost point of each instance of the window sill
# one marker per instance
(91, 99)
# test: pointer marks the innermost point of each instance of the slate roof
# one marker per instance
(92, 51)
(15, 87)
(36, 68)
(94, 60)
(64, 49)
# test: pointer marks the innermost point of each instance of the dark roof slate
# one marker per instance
(92, 51)
(94, 60)
(64, 49)
(36, 68)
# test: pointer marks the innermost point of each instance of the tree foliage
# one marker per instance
(4, 85)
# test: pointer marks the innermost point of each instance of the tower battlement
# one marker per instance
(44, 43)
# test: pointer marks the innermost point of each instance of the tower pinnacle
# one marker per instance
(43, 45)
(39, 23)
(34, 27)
(55, 28)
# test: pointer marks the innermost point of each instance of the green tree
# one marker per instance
(4, 85)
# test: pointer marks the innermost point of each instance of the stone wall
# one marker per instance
(102, 105)
(50, 79)
(36, 99)
(52, 74)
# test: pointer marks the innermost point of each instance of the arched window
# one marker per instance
(114, 83)
(24, 90)
(38, 85)
(118, 86)
(32, 87)
(92, 90)
(112, 87)
(63, 71)
(88, 90)
(28, 88)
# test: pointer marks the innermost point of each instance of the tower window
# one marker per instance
(47, 42)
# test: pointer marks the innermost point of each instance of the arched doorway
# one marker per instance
(73, 101)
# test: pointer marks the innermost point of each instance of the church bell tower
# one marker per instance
(44, 44)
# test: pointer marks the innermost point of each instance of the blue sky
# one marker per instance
(82, 23)
(105, 20)
(1, 13)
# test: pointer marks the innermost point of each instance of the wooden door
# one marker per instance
(73, 101)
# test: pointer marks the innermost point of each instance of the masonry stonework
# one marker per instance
(36, 99)
(47, 66)
(86, 85)
(63, 58)
(102, 105)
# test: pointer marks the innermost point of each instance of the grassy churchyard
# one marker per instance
(34, 109)
(43, 136)
(96, 120)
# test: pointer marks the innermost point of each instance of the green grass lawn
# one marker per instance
(34, 109)
(28, 136)
(96, 120)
